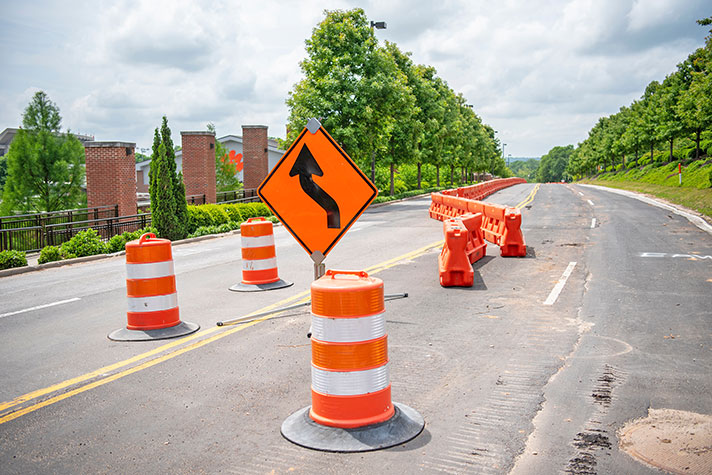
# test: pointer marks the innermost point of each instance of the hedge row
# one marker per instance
(216, 215)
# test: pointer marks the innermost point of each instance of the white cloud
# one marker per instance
(540, 73)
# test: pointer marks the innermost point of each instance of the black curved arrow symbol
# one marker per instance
(305, 166)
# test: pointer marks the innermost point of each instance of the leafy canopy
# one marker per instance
(44, 167)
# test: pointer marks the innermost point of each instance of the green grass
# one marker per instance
(697, 199)
(662, 181)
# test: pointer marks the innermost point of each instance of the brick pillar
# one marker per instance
(198, 150)
(254, 153)
(111, 175)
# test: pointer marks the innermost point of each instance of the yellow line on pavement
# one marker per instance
(102, 371)
(529, 198)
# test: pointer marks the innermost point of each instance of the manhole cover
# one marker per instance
(675, 441)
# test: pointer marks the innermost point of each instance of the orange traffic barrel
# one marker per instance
(351, 390)
(153, 312)
(259, 258)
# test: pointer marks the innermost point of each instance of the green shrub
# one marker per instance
(217, 214)
(234, 225)
(85, 243)
(204, 231)
(118, 242)
(10, 259)
(224, 228)
(233, 211)
(49, 254)
(198, 217)
(619, 167)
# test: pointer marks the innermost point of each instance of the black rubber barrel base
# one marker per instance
(280, 284)
(183, 328)
(406, 424)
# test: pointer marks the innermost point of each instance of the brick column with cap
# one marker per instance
(254, 152)
(111, 175)
(198, 149)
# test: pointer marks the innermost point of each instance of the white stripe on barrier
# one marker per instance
(153, 304)
(259, 264)
(151, 270)
(258, 241)
(345, 330)
(352, 383)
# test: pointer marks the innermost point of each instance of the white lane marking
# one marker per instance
(560, 284)
(39, 307)
(590, 202)
(580, 193)
(593, 223)
(696, 220)
(682, 256)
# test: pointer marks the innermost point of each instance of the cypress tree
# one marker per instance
(163, 206)
(152, 173)
(181, 205)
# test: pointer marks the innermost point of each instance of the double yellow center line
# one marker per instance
(221, 333)
(529, 198)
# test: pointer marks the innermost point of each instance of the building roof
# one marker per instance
(9, 133)
(272, 146)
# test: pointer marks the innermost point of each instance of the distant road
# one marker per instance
(608, 315)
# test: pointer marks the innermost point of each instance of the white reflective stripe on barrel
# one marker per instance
(259, 264)
(351, 383)
(151, 270)
(258, 241)
(348, 330)
(153, 304)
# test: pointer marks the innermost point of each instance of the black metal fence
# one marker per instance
(28, 232)
(237, 196)
(32, 232)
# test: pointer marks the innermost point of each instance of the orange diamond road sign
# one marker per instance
(317, 191)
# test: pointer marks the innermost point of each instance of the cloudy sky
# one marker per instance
(540, 72)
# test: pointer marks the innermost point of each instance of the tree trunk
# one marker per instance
(437, 168)
(452, 172)
(671, 157)
(419, 165)
(652, 144)
(392, 172)
(697, 141)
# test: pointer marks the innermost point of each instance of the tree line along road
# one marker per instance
(508, 376)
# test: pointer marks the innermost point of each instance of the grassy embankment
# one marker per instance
(662, 181)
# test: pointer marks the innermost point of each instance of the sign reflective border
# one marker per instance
(317, 191)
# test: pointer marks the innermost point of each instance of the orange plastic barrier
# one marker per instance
(454, 266)
(476, 246)
(501, 225)
(259, 258)
(153, 312)
(351, 407)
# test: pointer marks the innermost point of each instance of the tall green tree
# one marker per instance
(169, 208)
(553, 165)
(44, 166)
(350, 84)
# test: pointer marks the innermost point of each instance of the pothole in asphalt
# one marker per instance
(671, 440)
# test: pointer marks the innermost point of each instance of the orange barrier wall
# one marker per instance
(501, 225)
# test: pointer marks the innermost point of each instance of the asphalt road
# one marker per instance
(506, 379)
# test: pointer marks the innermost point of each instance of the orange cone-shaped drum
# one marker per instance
(151, 284)
(350, 378)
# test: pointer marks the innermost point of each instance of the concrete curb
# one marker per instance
(79, 260)
(692, 216)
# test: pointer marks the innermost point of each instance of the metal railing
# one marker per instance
(34, 238)
(32, 232)
(237, 196)
(28, 232)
